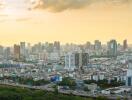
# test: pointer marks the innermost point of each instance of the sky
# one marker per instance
(66, 21)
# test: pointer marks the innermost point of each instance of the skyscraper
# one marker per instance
(112, 48)
(1, 50)
(129, 74)
(57, 45)
(22, 49)
(7, 53)
(87, 45)
(17, 52)
(70, 61)
(97, 45)
(125, 45)
(77, 60)
(81, 59)
(50, 47)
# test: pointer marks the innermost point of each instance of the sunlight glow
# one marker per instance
(14, 7)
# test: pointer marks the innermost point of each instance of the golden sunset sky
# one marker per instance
(74, 21)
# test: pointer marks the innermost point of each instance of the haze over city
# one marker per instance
(74, 21)
(65, 50)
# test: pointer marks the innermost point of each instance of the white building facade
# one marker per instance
(70, 61)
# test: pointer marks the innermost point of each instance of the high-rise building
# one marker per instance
(1, 50)
(16, 52)
(112, 48)
(81, 59)
(22, 49)
(97, 45)
(70, 61)
(50, 47)
(7, 53)
(125, 45)
(29, 48)
(129, 74)
(39, 47)
(87, 45)
(57, 45)
(85, 59)
(77, 60)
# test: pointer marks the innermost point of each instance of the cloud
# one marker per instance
(61, 5)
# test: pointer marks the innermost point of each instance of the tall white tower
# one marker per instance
(70, 61)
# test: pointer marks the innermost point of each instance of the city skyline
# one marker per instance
(68, 21)
(69, 43)
(65, 49)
